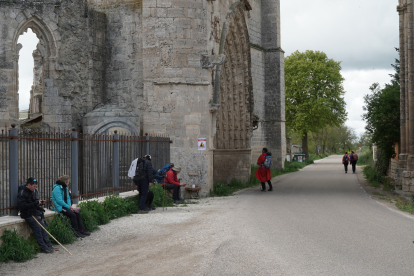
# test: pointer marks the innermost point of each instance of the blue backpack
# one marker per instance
(164, 170)
(268, 162)
(162, 173)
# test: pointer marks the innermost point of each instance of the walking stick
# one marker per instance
(67, 223)
(51, 235)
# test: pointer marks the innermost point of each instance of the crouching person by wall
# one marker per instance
(29, 204)
(63, 204)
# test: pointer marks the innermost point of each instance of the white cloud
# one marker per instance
(356, 85)
(360, 34)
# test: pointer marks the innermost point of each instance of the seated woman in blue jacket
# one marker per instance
(61, 199)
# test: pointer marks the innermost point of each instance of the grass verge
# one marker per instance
(222, 189)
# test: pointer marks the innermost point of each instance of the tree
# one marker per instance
(346, 138)
(314, 94)
(366, 139)
(382, 115)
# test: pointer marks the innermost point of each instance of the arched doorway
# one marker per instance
(28, 82)
(234, 116)
(44, 58)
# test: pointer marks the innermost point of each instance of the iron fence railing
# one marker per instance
(44, 154)
(99, 162)
(4, 173)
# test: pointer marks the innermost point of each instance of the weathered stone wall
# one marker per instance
(258, 140)
(391, 168)
(405, 172)
(255, 22)
(145, 57)
(274, 120)
(176, 89)
(65, 31)
(97, 62)
(236, 164)
(123, 53)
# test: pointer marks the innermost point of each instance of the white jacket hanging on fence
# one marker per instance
(131, 171)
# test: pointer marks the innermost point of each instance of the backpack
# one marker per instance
(268, 162)
(346, 160)
(354, 157)
(139, 171)
(163, 171)
(21, 187)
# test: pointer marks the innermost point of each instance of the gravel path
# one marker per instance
(318, 221)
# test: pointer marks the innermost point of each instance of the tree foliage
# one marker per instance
(382, 116)
(314, 93)
(329, 139)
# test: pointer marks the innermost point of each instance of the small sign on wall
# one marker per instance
(202, 143)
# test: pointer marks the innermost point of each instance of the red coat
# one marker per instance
(171, 178)
(262, 173)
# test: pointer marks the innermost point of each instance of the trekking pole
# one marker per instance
(164, 193)
(51, 235)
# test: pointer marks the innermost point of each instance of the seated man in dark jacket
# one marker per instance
(28, 206)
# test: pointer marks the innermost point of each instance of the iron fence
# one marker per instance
(4, 173)
(99, 162)
(44, 154)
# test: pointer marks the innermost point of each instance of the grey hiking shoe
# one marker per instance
(48, 250)
(143, 211)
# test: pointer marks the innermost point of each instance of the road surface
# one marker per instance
(318, 221)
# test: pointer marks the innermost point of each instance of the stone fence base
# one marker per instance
(408, 181)
(231, 164)
(21, 226)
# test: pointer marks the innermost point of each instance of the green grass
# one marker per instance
(97, 210)
(16, 248)
(117, 207)
(377, 180)
(60, 230)
(161, 199)
(222, 189)
(405, 206)
(365, 158)
(374, 179)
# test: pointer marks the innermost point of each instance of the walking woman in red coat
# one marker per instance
(262, 173)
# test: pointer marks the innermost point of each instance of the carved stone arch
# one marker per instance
(235, 99)
(44, 57)
(233, 126)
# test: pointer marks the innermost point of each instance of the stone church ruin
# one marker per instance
(188, 69)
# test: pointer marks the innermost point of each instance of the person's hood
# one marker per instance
(57, 185)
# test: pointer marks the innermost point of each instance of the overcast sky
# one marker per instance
(361, 34)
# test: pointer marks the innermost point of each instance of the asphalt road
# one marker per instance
(318, 221)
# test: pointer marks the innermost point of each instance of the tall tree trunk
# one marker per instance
(315, 140)
(305, 145)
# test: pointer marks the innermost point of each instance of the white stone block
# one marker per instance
(192, 119)
(163, 3)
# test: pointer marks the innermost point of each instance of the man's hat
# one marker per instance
(148, 156)
(176, 169)
(31, 181)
